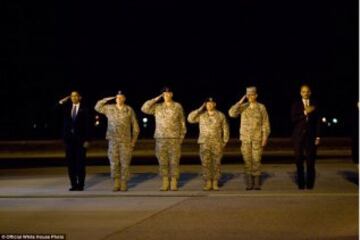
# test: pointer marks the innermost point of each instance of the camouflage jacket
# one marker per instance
(254, 123)
(169, 120)
(212, 127)
(122, 123)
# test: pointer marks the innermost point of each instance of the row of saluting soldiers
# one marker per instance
(123, 130)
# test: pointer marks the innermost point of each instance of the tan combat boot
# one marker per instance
(173, 184)
(207, 185)
(123, 186)
(116, 185)
(215, 185)
(165, 184)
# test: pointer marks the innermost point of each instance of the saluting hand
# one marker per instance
(243, 99)
(159, 97)
(203, 106)
(63, 100)
(109, 98)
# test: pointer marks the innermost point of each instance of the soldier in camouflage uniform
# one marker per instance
(254, 133)
(214, 134)
(169, 134)
(122, 133)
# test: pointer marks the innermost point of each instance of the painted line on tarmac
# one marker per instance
(187, 194)
(119, 195)
(294, 194)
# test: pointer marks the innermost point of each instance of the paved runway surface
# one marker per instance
(36, 200)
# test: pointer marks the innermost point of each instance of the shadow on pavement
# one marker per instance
(96, 179)
(139, 178)
(225, 177)
(265, 176)
(186, 177)
(293, 177)
(350, 176)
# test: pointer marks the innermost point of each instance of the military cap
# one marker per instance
(210, 99)
(120, 93)
(166, 89)
(251, 90)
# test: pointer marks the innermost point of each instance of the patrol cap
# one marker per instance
(120, 93)
(210, 99)
(251, 90)
(166, 89)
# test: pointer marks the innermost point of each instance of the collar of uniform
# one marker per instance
(121, 107)
(170, 105)
(215, 113)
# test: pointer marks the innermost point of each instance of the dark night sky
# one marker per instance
(199, 49)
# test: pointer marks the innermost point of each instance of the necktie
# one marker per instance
(73, 113)
(306, 102)
(306, 105)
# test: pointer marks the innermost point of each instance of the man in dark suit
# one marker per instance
(305, 117)
(76, 138)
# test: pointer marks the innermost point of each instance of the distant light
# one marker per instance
(34, 126)
(323, 119)
(335, 120)
(97, 123)
(145, 120)
(144, 125)
(97, 117)
(329, 124)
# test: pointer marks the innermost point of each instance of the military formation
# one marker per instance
(170, 130)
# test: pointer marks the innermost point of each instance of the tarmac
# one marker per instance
(37, 201)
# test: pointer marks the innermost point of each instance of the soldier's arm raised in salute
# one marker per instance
(101, 107)
(194, 116)
(149, 106)
(238, 108)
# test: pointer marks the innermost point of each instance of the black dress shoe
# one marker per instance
(72, 189)
(80, 188)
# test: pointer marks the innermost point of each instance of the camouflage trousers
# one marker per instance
(252, 152)
(168, 152)
(210, 155)
(119, 154)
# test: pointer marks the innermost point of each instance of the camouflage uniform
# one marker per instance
(122, 132)
(169, 133)
(214, 134)
(255, 127)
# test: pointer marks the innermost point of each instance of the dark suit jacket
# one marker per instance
(78, 130)
(308, 127)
